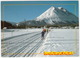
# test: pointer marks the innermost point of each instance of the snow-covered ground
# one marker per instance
(6, 33)
(59, 40)
(29, 43)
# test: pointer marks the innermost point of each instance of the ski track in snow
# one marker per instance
(28, 45)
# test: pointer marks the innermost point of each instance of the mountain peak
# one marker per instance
(52, 8)
(61, 8)
(48, 13)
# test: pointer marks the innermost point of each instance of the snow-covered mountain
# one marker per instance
(54, 16)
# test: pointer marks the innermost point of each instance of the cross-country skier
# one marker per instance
(43, 33)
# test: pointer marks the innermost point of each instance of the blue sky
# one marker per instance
(18, 11)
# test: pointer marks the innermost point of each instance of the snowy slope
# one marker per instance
(55, 15)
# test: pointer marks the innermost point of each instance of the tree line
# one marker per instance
(10, 26)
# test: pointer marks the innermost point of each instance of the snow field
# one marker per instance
(60, 40)
(55, 40)
(15, 32)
